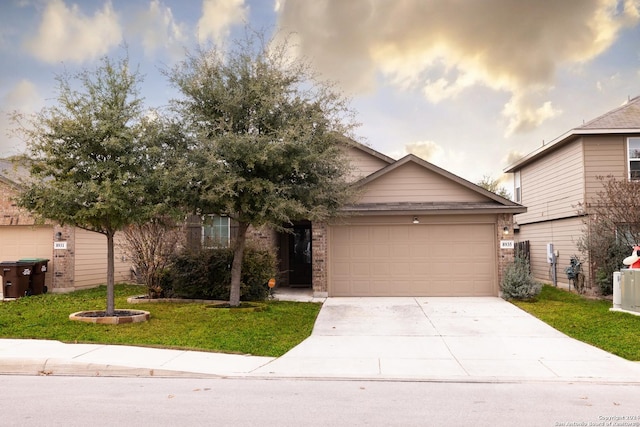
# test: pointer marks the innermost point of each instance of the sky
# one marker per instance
(467, 85)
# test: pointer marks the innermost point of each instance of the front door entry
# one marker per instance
(300, 255)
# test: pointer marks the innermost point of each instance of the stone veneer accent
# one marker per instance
(319, 259)
(64, 260)
(504, 256)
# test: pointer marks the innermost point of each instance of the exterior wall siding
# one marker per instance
(90, 267)
(412, 183)
(553, 187)
(564, 235)
(604, 155)
(363, 164)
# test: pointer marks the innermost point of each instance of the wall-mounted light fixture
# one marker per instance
(416, 220)
(59, 236)
(505, 230)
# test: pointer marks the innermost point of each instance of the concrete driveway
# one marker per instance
(481, 339)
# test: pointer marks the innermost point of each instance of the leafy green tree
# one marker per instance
(270, 147)
(97, 157)
(493, 185)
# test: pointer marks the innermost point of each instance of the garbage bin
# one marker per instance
(36, 282)
(15, 278)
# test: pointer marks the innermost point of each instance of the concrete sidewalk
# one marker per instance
(428, 339)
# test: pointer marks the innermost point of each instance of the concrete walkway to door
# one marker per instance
(443, 339)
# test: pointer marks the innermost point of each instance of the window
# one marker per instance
(215, 231)
(627, 234)
(517, 191)
(633, 155)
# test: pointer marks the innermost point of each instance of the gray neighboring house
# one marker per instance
(555, 179)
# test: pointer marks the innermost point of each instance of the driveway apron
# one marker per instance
(447, 338)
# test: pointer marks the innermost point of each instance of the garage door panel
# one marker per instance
(380, 269)
(342, 269)
(399, 250)
(399, 269)
(361, 269)
(416, 260)
(360, 250)
(360, 287)
(380, 251)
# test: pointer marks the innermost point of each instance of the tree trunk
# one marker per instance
(110, 275)
(236, 266)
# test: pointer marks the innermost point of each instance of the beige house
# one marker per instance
(77, 258)
(555, 179)
(417, 230)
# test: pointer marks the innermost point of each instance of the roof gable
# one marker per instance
(364, 161)
(417, 182)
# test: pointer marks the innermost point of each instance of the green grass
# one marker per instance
(193, 326)
(587, 320)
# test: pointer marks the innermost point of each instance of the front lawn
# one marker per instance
(192, 326)
(587, 320)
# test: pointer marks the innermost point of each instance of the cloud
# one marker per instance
(159, 30)
(23, 97)
(525, 114)
(217, 18)
(454, 161)
(443, 48)
(426, 150)
(66, 34)
(512, 157)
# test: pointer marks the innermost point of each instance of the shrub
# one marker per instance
(614, 254)
(517, 282)
(207, 274)
(150, 247)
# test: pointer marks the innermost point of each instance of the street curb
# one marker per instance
(63, 367)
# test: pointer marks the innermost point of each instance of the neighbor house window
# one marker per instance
(627, 234)
(633, 150)
(215, 231)
(517, 196)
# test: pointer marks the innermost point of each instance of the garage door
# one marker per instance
(413, 260)
(23, 241)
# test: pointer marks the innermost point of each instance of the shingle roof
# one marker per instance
(626, 116)
(12, 173)
(622, 120)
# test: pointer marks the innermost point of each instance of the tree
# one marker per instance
(493, 185)
(95, 156)
(612, 227)
(270, 148)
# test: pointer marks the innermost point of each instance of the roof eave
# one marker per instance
(368, 211)
(561, 140)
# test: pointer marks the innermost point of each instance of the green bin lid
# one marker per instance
(33, 260)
